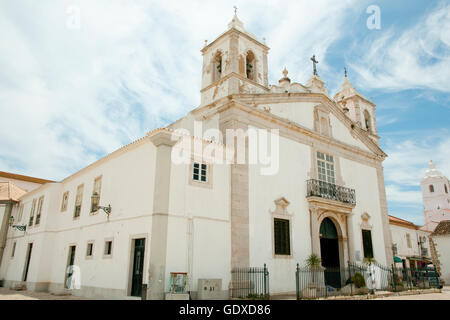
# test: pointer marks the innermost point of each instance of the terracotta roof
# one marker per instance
(23, 178)
(443, 228)
(398, 221)
(9, 191)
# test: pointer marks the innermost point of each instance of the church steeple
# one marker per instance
(235, 62)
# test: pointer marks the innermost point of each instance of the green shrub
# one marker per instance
(358, 280)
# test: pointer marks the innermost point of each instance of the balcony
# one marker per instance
(316, 188)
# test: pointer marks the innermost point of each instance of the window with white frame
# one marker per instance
(90, 249)
(65, 200)
(108, 248)
(408, 240)
(325, 168)
(39, 210)
(33, 207)
(78, 201)
(200, 172)
(19, 218)
(96, 189)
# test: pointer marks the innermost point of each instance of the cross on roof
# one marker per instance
(313, 59)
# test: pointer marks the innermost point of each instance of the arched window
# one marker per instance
(445, 187)
(217, 66)
(431, 187)
(250, 66)
(367, 120)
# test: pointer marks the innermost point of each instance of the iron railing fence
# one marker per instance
(355, 279)
(415, 278)
(331, 191)
(250, 283)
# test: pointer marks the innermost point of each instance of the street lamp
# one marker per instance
(95, 200)
(18, 227)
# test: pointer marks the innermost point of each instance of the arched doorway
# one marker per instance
(329, 251)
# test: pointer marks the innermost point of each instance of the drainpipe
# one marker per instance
(4, 227)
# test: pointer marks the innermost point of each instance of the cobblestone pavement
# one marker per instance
(444, 295)
(7, 294)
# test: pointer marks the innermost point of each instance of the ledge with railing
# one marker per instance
(317, 188)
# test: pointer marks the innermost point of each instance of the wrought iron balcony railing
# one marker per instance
(317, 188)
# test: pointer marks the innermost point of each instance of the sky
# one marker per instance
(80, 79)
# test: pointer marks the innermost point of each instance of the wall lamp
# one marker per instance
(16, 226)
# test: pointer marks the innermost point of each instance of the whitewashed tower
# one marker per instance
(436, 197)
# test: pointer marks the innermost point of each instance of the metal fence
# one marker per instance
(250, 283)
(357, 279)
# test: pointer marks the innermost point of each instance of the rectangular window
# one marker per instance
(33, 207)
(19, 218)
(367, 243)
(325, 168)
(39, 210)
(96, 189)
(65, 200)
(408, 240)
(13, 251)
(78, 200)
(108, 247)
(281, 237)
(89, 249)
(200, 172)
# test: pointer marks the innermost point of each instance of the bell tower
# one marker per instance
(235, 62)
(436, 197)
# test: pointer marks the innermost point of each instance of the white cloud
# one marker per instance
(418, 57)
(71, 95)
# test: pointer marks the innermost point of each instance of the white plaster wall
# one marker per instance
(443, 249)
(363, 179)
(298, 112)
(127, 184)
(399, 238)
(289, 182)
(341, 132)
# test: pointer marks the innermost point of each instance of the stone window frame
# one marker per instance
(218, 52)
(39, 211)
(209, 174)
(408, 241)
(322, 112)
(280, 212)
(314, 172)
(65, 201)
(98, 178)
(108, 256)
(90, 242)
(20, 213)
(33, 208)
(80, 194)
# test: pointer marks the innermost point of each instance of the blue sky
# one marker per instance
(79, 79)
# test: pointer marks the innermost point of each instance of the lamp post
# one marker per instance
(18, 227)
(95, 199)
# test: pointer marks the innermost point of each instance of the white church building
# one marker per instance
(139, 214)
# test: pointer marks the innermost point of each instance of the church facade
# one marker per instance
(140, 213)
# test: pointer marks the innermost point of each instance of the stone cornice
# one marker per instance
(236, 32)
(231, 75)
(329, 205)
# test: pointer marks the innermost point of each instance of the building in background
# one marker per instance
(410, 244)
(12, 187)
(440, 249)
(436, 197)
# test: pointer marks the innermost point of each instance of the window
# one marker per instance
(281, 237)
(13, 251)
(217, 65)
(325, 167)
(367, 243)
(19, 218)
(200, 172)
(445, 187)
(408, 240)
(431, 187)
(39, 210)
(250, 66)
(78, 200)
(367, 120)
(96, 189)
(89, 249)
(65, 200)
(33, 207)
(108, 247)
